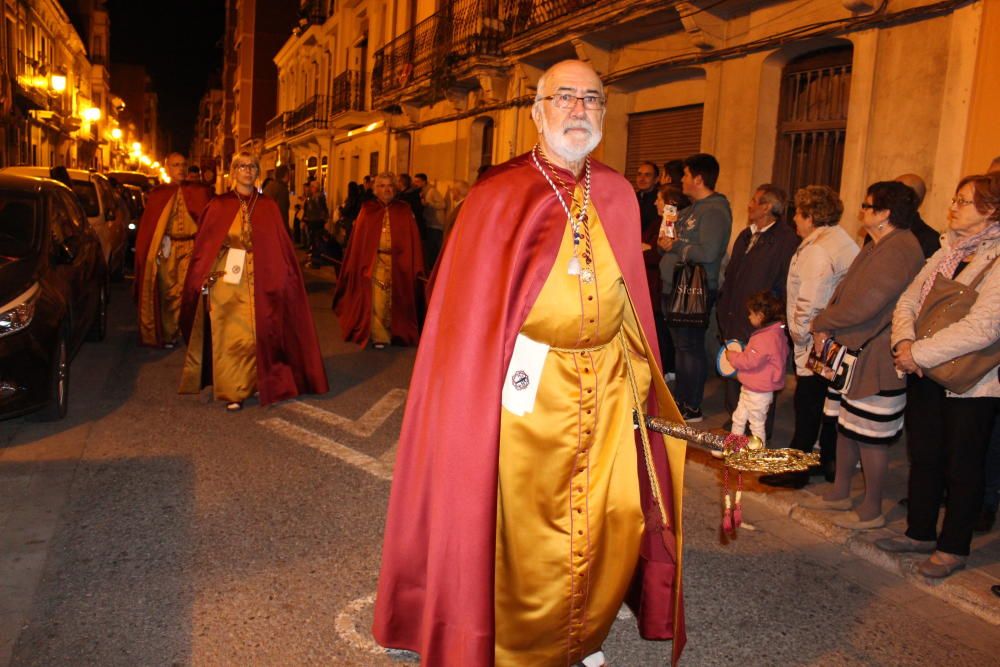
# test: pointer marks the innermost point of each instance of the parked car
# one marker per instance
(135, 201)
(53, 293)
(136, 178)
(98, 200)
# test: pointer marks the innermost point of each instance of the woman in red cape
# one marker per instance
(288, 358)
(436, 587)
(353, 298)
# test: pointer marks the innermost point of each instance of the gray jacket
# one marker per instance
(703, 231)
(863, 303)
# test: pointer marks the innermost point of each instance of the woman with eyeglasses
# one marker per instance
(947, 433)
(245, 314)
(870, 412)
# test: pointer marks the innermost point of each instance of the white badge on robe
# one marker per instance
(234, 266)
(165, 247)
(520, 386)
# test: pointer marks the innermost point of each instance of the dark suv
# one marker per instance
(53, 293)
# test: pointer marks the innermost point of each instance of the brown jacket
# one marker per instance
(863, 303)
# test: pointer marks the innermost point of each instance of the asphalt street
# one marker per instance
(150, 528)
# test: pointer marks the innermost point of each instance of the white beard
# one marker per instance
(569, 149)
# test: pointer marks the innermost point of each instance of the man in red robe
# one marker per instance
(163, 246)
(436, 587)
(289, 361)
(376, 292)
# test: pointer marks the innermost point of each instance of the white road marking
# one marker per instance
(365, 425)
(329, 446)
(348, 630)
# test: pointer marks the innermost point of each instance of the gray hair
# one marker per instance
(775, 197)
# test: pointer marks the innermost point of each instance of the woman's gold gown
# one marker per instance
(569, 516)
(382, 286)
(233, 329)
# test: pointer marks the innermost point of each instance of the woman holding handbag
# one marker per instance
(949, 417)
(858, 317)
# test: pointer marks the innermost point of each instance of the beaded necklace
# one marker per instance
(586, 273)
(246, 211)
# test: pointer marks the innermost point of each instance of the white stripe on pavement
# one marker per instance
(364, 426)
(329, 446)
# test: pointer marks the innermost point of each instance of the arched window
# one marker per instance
(812, 119)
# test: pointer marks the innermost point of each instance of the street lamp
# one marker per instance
(116, 134)
(136, 147)
(57, 82)
(92, 114)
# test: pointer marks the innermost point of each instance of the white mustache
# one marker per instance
(578, 126)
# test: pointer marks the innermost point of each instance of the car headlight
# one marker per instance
(17, 314)
(131, 225)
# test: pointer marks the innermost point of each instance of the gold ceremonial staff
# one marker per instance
(740, 452)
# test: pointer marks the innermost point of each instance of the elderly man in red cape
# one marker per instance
(254, 333)
(524, 507)
(375, 297)
(163, 252)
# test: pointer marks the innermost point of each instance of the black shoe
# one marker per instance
(996, 589)
(985, 520)
(786, 480)
(691, 415)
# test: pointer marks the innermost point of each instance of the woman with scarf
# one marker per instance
(244, 313)
(948, 432)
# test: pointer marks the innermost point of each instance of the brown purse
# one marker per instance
(948, 302)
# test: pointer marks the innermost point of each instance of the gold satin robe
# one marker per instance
(382, 286)
(166, 274)
(233, 330)
(569, 514)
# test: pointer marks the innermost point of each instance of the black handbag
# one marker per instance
(688, 303)
(836, 363)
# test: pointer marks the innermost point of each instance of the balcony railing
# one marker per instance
(314, 114)
(347, 93)
(275, 128)
(462, 29)
(520, 16)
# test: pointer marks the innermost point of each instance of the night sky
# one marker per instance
(180, 43)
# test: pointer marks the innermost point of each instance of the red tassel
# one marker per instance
(727, 521)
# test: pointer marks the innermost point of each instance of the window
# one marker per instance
(17, 225)
(812, 120)
(76, 216)
(373, 163)
(661, 136)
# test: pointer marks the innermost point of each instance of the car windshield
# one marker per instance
(86, 192)
(18, 230)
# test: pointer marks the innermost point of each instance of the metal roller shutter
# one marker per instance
(659, 136)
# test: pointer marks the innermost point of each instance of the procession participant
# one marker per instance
(163, 248)
(375, 297)
(522, 512)
(245, 313)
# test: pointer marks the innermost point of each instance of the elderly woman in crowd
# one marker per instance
(667, 195)
(858, 316)
(817, 267)
(947, 432)
(244, 313)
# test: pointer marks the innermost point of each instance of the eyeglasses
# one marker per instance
(244, 166)
(868, 207)
(959, 202)
(568, 101)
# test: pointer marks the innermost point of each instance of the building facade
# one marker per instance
(837, 92)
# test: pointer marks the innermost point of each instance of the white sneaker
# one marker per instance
(595, 660)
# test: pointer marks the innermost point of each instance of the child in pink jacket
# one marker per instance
(760, 367)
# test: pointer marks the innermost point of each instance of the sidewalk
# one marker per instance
(967, 590)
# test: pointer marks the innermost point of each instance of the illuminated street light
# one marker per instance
(146, 160)
(136, 147)
(155, 165)
(92, 114)
(57, 82)
(116, 134)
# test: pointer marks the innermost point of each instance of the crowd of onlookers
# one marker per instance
(798, 290)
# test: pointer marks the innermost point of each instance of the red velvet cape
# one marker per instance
(196, 197)
(352, 299)
(289, 361)
(435, 590)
